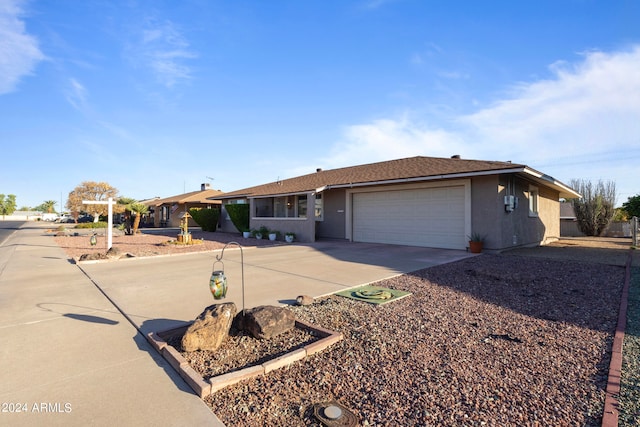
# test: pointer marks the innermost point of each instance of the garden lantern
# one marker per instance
(93, 240)
(218, 281)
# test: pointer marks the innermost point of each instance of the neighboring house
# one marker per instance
(568, 221)
(569, 224)
(417, 201)
(167, 211)
(23, 216)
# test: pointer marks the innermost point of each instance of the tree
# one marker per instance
(239, 214)
(124, 205)
(632, 206)
(90, 190)
(48, 206)
(206, 218)
(138, 209)
(7, 204)
(596, 207)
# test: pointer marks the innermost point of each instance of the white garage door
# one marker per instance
(432, 217)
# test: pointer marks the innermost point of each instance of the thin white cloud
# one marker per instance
(584, 108)
(392, 138)
(164, 50)
(76, 95)
(19, 51)
(588, 113)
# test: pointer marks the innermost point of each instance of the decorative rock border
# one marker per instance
(203, 388)
(611, 402)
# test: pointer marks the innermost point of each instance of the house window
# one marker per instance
(302, 206)
(319, 211)
(533, 200)
(281, 207)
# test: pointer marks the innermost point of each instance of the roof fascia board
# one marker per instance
(296, 193)
(428, 178)
(565, 191)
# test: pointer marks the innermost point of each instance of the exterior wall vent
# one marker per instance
(455, 156)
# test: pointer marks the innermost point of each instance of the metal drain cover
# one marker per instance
(333, 414)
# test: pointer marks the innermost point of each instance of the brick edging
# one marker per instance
(203, 388)
(611, 403)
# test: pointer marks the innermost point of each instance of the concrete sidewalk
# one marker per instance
(69, 358)
(160, 293)
(68, 336)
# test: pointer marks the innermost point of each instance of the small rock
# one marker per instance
(113, 253)
(210, 328)
(268, 321)
(94, 256)
(304, 300)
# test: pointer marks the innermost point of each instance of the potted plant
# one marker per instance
(289, 236)
(261, 232)
(273, 234)
(476, 241)
(256, 233)
(246, 233)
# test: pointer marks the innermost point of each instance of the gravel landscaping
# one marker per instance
(630, 384)
(497, 340)
(492, 340)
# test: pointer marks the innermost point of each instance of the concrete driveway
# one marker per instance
(164, 292)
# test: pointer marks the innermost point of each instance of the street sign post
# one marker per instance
(109, 202)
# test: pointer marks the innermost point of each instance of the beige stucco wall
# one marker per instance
(518, 227)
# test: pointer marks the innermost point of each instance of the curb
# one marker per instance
(611, 403)
(204, 388)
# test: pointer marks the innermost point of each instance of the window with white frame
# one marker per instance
(533, 200)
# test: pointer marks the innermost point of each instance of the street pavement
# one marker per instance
(73, 350)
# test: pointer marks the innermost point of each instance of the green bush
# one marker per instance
(99, 224)
(206, 218)
(239, 214)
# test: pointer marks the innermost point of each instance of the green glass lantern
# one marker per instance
(218, 282)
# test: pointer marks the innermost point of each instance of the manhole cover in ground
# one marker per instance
(333, 414)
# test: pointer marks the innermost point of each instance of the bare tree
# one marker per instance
(90, 190)
(595, 209)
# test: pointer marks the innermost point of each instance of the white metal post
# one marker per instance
(110, 204)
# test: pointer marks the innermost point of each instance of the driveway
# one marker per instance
(164, 292)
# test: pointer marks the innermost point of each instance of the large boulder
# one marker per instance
(210, 328)
(268, 321)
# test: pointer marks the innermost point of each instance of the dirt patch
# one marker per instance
(151, 242)
(598, 250)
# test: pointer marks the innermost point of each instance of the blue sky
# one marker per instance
(156, 97)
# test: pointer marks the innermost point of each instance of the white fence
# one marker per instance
(635, 232)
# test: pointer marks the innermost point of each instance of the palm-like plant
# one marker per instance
(124, 204)
(49, 205)
(138, 209)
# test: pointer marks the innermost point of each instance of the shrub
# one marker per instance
(206, 218)
(239, 214)
(99, 224)
(595, 209)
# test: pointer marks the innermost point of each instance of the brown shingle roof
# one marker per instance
(401, 169)
(202, 196)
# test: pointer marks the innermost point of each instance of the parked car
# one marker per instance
(49, 217)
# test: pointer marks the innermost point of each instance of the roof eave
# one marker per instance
(564, 190)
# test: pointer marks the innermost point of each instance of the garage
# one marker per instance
(430, 217)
